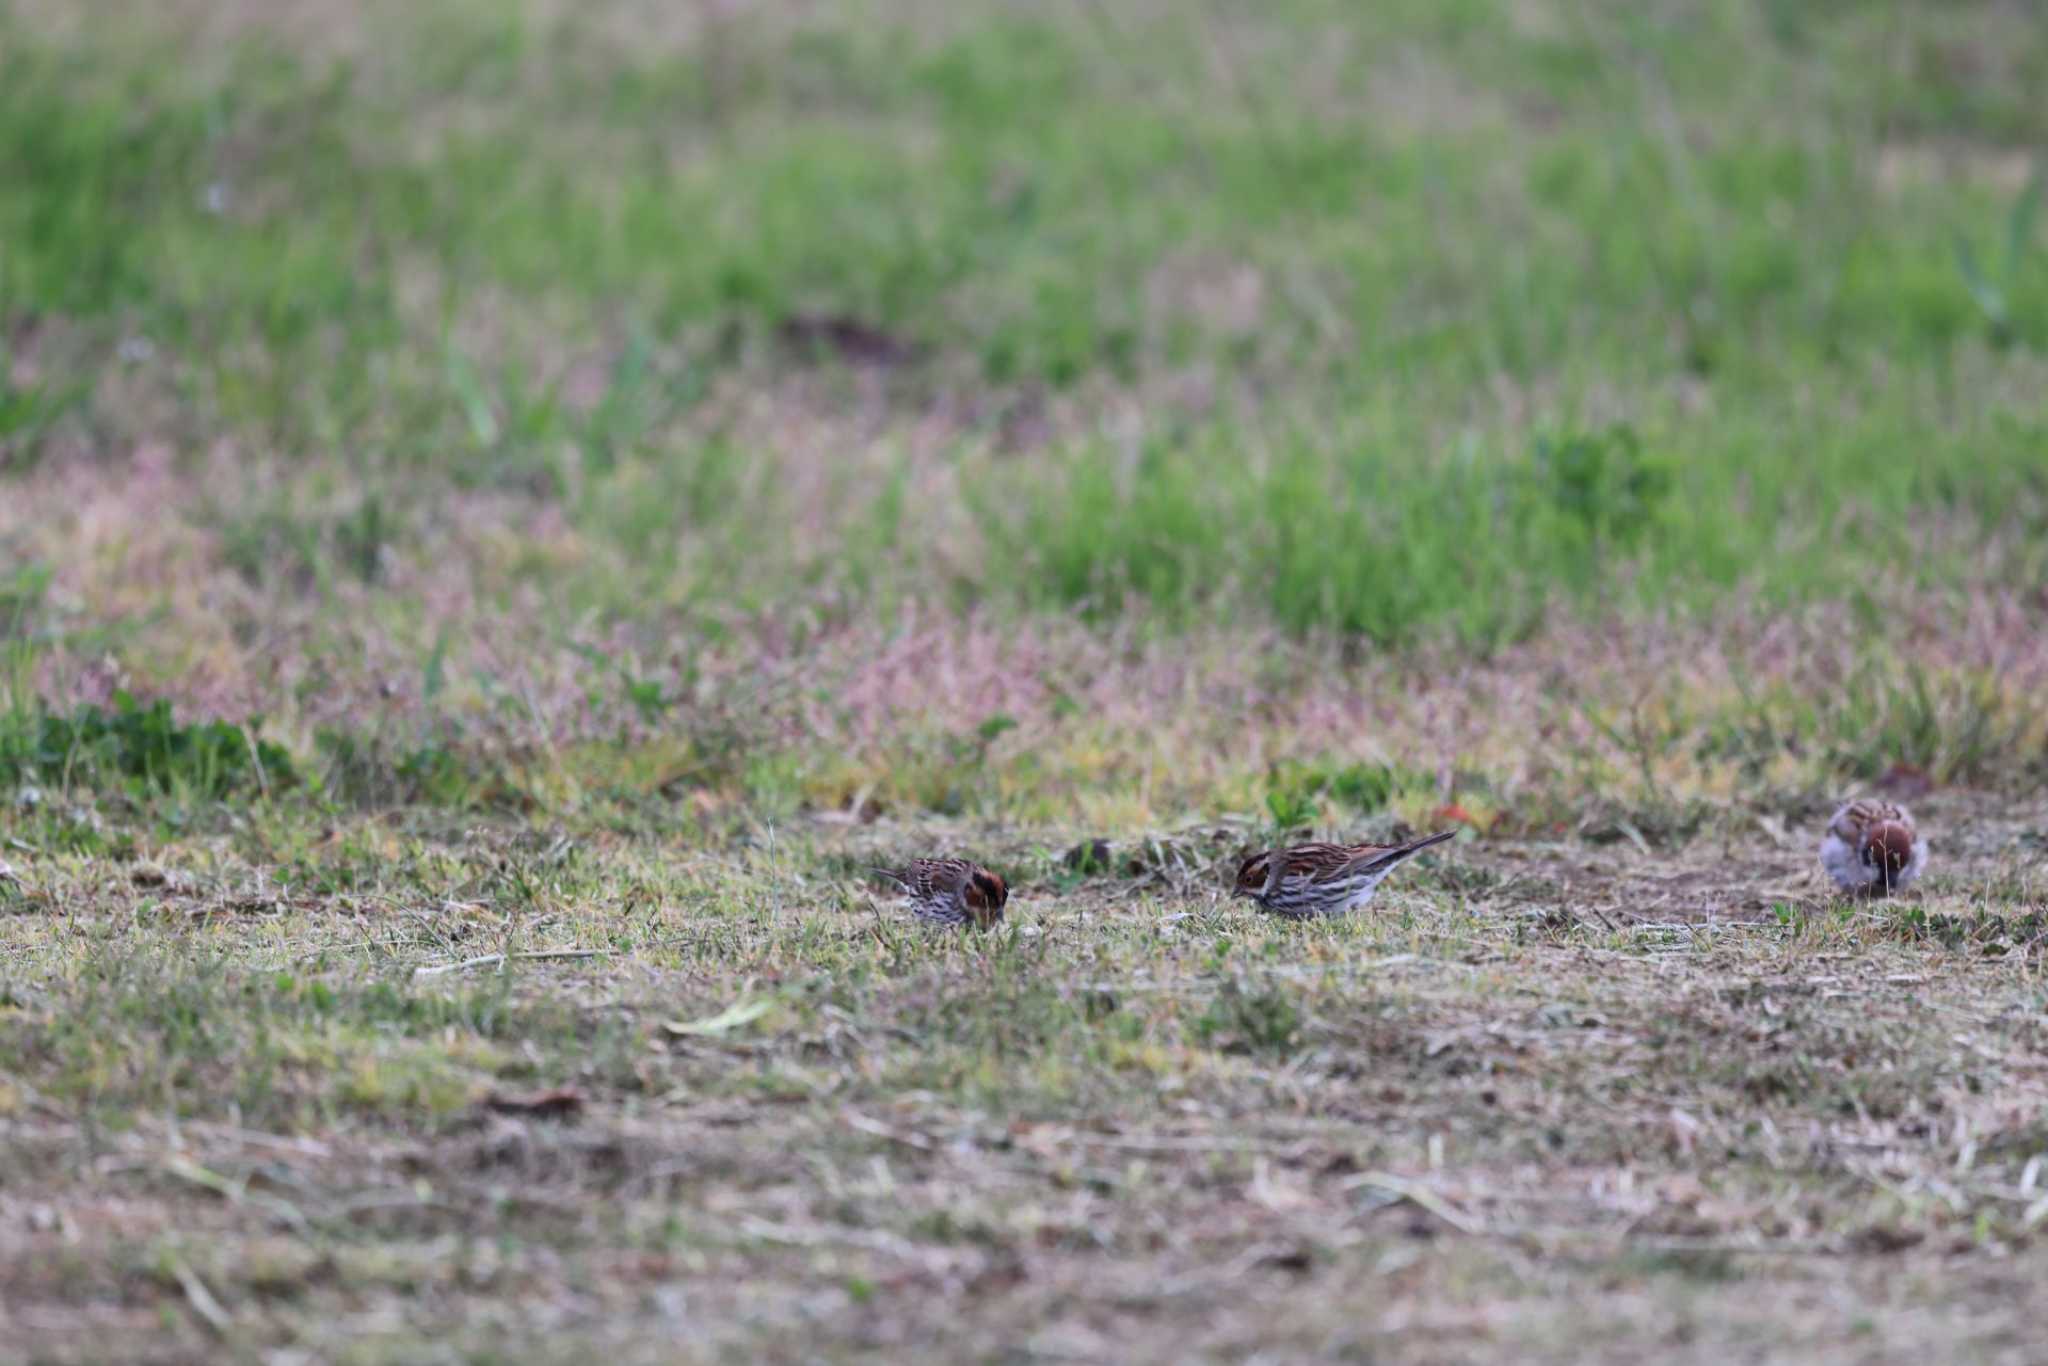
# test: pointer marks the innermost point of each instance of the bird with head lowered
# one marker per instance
(1872, 848)
(951, 891)
(1323, 879)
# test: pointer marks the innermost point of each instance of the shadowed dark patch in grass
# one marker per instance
(1986, 934)
(1261, 1020)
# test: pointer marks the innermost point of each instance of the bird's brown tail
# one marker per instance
(1408, 851)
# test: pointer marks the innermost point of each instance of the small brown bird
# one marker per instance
(1323, 879)
(951, 891)
(1871, 848)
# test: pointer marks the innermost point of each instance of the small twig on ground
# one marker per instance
(854, 1119)
(201, 1299)
(1422, 1197)
(236, 1192)
(1236, 1269)
(376, 1202)
(1168, 1143)
(499, 959)
(1291, 974)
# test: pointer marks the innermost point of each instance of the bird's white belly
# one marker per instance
(1362, 891)
(1838, 856)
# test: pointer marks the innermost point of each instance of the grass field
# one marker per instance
(508, 509)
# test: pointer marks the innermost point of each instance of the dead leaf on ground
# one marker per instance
(152, 875)
(563, 1102)
(1885, 1238)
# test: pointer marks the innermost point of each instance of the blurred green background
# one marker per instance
(1374, 317)
(1412, 321)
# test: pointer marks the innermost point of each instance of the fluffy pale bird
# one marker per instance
(1872, 848)
(951, 891)
(1323, 879)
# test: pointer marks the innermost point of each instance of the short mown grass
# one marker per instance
(508, 511)
(598, 1071)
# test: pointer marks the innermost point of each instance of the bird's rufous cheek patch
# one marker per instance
(1890, 846)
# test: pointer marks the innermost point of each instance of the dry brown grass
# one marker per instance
(229, 588)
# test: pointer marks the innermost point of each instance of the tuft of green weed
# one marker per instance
(1603, 485)
(1994, 291)
(1294, 786)
(1239, 1018)
(140, 748)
